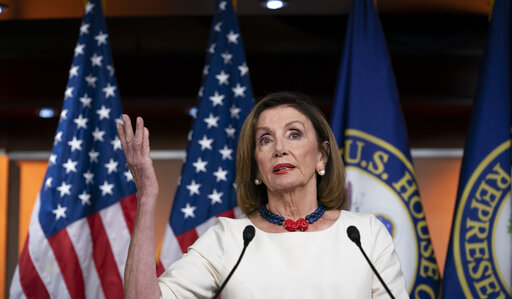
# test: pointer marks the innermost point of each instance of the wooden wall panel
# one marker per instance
(4, 172)
(31, 179)
(437, 181)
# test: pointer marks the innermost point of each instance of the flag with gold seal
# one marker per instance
(479, 259)
(369, 126)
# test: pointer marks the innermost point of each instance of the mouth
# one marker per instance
(283, 168)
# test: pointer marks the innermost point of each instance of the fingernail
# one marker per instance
(139, 120)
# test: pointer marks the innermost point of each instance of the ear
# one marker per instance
(324, 155)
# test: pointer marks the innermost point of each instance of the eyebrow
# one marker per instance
(286, 125)
(294, 121)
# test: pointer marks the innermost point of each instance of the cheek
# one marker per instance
(260, 161)
(309, 154)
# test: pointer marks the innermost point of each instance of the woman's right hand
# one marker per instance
(139, 275)
(136, 149)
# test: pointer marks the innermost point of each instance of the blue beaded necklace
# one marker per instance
(301, 224)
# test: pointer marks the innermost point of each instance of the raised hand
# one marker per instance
(136, 149)
(139, 275)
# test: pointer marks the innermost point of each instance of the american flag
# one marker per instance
(81, 223)
(206, 189)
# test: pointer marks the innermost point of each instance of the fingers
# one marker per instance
(126, 134)
(133, 143)
(120, 132)
(128, 130)
(145, 143)
(139, 132)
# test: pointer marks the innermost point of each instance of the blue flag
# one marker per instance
(479, 259)
(207, 189)
(81, 223)
(370, 129)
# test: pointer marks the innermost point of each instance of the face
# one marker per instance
(287, 152)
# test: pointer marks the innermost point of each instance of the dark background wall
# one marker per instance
(436, 56)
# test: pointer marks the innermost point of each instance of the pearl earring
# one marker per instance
(257, 181)
(321, 172)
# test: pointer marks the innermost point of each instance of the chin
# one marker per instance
(287, 185)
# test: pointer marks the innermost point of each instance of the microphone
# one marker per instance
(353, 235)
(248, 235)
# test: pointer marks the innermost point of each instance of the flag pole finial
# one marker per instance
(103, 3)
(491, 7)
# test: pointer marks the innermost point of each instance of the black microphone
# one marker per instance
(353, 234)
(248, 235)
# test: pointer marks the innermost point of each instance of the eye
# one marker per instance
(295, 135)
(265, 139)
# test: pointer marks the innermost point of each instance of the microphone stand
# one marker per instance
(248, 235)
(353, 234)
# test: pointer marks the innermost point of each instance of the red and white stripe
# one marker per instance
(173, 247)
(84, 260)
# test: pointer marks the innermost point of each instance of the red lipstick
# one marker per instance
(283, 168)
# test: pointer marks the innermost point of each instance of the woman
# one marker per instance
(290, 181)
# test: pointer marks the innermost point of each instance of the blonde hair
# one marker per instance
(331, 191)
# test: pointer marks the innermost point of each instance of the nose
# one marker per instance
(280, 148)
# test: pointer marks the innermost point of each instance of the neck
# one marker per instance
(293, 205)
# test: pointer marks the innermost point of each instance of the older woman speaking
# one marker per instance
(291, 185)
